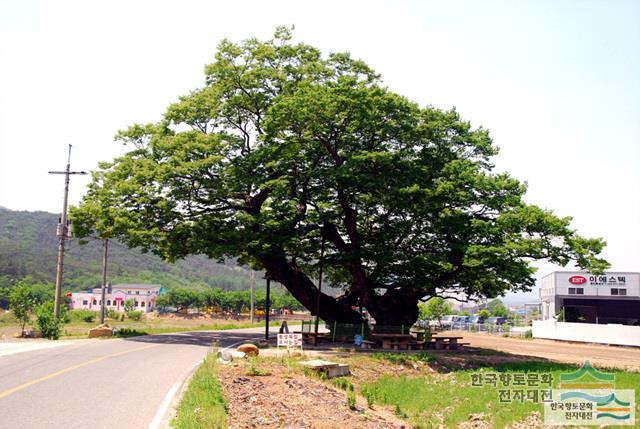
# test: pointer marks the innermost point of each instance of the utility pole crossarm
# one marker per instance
(69, 172)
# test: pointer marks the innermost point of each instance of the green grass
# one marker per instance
(80, 323)
(403, 358)
(144, 327)
(125, 332)
(7, 318)
(449, 398)
(203, 405)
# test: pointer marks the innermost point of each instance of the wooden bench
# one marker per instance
(416, 345)
(366, 344)
(445, 343)
(313, 338)
(393, 341)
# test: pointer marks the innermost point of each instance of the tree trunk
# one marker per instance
(303, 289)
(396, 307)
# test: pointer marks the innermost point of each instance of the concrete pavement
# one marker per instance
(121, 383)
(18, 346)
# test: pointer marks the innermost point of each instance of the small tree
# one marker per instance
(21, 303)
(48, 324)
(179, 298)
(435, 309)
(129, 305)
(499, 310)
(484, 313)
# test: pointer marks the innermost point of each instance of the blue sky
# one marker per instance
(556, 82)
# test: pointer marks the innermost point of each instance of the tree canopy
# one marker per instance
(284, 150)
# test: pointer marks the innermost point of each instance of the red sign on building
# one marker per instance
(577, 280)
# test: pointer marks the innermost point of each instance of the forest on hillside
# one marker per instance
(28, 248)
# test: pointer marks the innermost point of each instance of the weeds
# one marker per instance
(404, 358)
(351, 399)
(203, 405)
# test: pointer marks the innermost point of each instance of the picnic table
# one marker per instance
(313, 337)
(394, 341)
(445, 342)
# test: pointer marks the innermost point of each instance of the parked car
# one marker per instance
(448, 321)
(461, 321)
(497, 320)
(476, 320)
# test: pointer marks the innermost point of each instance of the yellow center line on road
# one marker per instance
(13, 390)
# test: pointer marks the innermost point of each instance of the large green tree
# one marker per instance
(283, 149)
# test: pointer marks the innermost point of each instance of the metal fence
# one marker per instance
(346, 332)
(504, 329)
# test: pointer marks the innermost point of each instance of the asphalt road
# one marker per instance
(115, 383)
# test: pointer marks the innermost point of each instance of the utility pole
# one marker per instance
(63, 233)
(104, 278)
(252, 285)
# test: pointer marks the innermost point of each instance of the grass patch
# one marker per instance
(403, 358)
(449, 399)
(254, 370)
(203, 405)
(80, 323)
(8, 318)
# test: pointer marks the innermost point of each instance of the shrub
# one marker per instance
(83, 315)
(112, 314)
(134, 315)
(47, 323)
(128, 332)
(528, 333)
(129, 305)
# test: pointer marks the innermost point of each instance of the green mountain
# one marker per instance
(28, 247)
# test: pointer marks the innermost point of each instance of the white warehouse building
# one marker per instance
(582, 297)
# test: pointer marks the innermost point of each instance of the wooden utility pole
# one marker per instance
(63, 233)
(104, 278)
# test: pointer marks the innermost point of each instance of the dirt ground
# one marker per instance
(627, 358)
(284, 397)
(272, 392)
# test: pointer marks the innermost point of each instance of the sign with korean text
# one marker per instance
(589, 284)
(290, 340)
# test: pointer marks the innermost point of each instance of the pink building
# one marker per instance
(144, 297)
